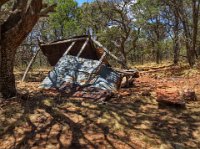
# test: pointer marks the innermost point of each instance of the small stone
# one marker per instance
(170, 98)
(166, 146)
(146, 93)
(189, 95)
(178, 146)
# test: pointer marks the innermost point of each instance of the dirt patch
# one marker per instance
(44, 119)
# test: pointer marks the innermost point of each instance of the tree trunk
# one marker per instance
(191, 56)
(157, 54)
(13, 32)
(190, 37)
(7, 78)
(176, 40)
(123, 56)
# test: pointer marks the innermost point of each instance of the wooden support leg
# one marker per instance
(107, 51)
(69, 48)
(83, 47)
(29, 65)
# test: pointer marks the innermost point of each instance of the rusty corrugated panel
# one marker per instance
(74, 70)
(107, 79)
(54, 50)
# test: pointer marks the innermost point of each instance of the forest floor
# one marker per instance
(44, 119)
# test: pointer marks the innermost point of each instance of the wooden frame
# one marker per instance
(74, 40)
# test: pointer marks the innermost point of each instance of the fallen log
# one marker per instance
(167, 97)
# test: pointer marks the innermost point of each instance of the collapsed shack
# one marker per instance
(82, 70)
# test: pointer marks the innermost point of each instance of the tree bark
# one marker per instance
(123, 56)
(157, 53)
(7, 78)
(11, 38)
(190, 37)
(195, 18)
(176, 38)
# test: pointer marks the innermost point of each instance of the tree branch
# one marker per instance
(45, 11)
(19, 9)
(2, 2)
(16, 35)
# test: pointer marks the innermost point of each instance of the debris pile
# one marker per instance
(82, 70)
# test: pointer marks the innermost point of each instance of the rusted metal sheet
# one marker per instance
(108, 79)
(54, 50)
(80, 72)
(81, 68)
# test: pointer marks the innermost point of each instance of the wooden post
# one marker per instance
(107, 51)
(102, 57)
(30, 64)
(65, 41)
(100, 62)
(83, 47)
(69, 48)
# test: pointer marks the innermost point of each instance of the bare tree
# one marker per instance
(118, 12)
(186, 11)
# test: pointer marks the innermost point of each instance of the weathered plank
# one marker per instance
(69, 48)
(83, 47)
(109, 53)
(30, 64)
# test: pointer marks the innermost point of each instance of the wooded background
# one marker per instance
(136, 31)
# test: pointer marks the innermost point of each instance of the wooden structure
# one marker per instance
(80, 46)
(83, 47)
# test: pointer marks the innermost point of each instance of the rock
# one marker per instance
(178, 146)
(166, 146)
(189, 95)
(127, 82)
(24, 95)
(125, 93)
(170, 98)
(146, 93)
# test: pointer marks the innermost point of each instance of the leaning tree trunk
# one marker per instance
(13, 31)
(123, 54)
(190, 37)
(123, 58)
(191, 54)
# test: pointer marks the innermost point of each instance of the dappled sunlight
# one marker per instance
(72, 123)
(49, 119)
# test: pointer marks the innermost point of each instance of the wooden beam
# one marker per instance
(30, 64)
(102, 57)
(83, 47)
(65, 41)
(100, 62)
(109, 53)
(69, 48)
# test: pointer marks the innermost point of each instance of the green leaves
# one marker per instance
(65, 19)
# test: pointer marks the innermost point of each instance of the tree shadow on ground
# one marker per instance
(56, 121)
